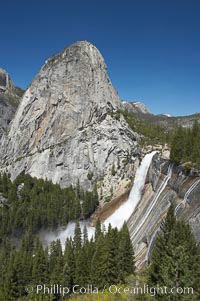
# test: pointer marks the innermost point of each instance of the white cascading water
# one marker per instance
(121, 215)
(151, 244)
(155, 199)
(184, 201)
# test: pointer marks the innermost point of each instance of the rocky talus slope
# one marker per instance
(64, 129)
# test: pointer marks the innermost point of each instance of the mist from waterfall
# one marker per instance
(63, 234)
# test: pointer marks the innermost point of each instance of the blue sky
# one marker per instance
(151, 47)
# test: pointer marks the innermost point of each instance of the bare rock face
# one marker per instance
(5, 81)
(9, 100)
(7, 112)
(136, 107)
(161, 189)
(63, 129)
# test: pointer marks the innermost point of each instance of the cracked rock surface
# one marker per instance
(64, 127)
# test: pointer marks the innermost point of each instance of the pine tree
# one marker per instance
(110, 266)
(11, 285)
(77, 237)
(98, 259)
(56, 262)
(5, 252)
(69, 264)
(98, 231)
(85, 235)
(40, 273)
(81, 272)
(125, 258)
(175, 259)
(108, 257)
(177, 146)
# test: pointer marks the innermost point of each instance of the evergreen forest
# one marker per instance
(105, 260)
(184, 142)
(30, 204)
(100, 268)
(185, 146)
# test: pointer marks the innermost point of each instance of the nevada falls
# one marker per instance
(70, 128)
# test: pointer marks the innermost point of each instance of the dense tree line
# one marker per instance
(29, 204)
(175, 264)
(184, 142)
(107, 259)
(185, 145)
(175, 261)
(152, 132)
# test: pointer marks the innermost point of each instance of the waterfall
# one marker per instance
(184, 201)
(155, 199)
(123, 213)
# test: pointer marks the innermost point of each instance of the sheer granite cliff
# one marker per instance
(165, 184)
(64, 129)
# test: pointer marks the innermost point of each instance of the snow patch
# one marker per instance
(167, 115)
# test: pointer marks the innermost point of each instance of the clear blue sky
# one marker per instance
(151, 47)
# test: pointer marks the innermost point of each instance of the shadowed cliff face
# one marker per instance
(162, 187)
(5, 81)
(64, 129)
(9, 100)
